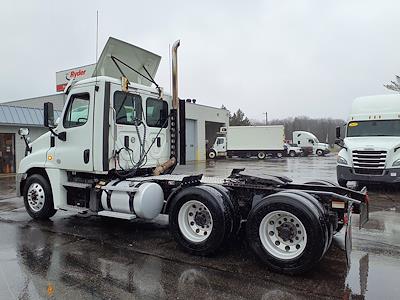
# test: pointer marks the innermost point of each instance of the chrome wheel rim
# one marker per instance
(283, 235)
(261, 155)
(211, 155)
(36, 197)
(195, 221)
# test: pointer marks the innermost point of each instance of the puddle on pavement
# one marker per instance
(372, 277)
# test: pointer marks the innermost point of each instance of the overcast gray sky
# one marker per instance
(290, 58)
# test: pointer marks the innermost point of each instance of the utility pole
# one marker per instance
(266, 118)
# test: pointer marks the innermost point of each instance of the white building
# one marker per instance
(202, 124)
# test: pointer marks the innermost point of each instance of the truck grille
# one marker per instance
(369, 162)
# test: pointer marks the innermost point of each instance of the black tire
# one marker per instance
(320, 152)
(221, 216)
(328, 229)
(233, 205)
(39, 183)
(342, 183)
(261, 155)
(307, 214)
(331, 228)
(292, 153)
(212, 154)
(279, 155)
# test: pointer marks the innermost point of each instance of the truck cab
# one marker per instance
(107, 126)
(371, 143)
(309, 143)
(219, 148)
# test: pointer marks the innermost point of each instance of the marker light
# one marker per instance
(340, 160)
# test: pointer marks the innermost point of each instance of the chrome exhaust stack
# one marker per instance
(175, 99)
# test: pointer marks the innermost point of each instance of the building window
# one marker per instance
(156, 113)
(78, 111)
(128, 108)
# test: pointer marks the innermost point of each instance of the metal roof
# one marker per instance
(14, 115)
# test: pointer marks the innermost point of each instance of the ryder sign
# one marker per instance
(62, 77)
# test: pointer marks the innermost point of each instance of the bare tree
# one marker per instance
(394, 86)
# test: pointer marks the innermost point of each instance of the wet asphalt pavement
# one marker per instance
(89, 257)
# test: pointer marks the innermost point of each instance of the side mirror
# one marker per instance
(48, 116)
(23, 131)
(338, 132)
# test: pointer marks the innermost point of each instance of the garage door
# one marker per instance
(191, 139)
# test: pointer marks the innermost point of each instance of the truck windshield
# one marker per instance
(374, 128)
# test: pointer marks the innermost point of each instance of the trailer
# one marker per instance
(248, 141)
(113, 153)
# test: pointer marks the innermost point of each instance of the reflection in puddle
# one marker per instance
(372, 277)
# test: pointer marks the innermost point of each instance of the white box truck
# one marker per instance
(113, 152)
(371, 145)
(247, 141)
(309, 143)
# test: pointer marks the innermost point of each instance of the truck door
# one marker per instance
(157, 122)
(220, 145)
(76, 124)
(141, 122)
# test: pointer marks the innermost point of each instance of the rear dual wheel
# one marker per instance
(285, 232)
(201, 219)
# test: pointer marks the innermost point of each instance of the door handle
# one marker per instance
(158, 142)
(86, 155)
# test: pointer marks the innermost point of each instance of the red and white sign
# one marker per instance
(63, 77)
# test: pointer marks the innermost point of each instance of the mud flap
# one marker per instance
(348, 238)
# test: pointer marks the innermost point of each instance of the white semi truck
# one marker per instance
(113, 151)
(309, 143)
(371, 144)
(247, 141)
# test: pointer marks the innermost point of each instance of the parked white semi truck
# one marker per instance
(309, 143)
(247, 141)
(113, 151)
(371, 145)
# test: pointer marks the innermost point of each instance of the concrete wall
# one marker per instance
(58, 101)
(34, 132)
(203, 113)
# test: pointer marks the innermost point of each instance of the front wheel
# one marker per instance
(320, 152)
(292, 153)
(212, 154)
(38, 197)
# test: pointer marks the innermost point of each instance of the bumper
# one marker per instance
(348, 174)
(18, 179)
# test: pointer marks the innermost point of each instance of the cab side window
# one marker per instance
(156, 113)
(220, 141)
(128, 108)
(78, 111)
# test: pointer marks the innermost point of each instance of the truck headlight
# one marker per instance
(396, 163)
(340, 160)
